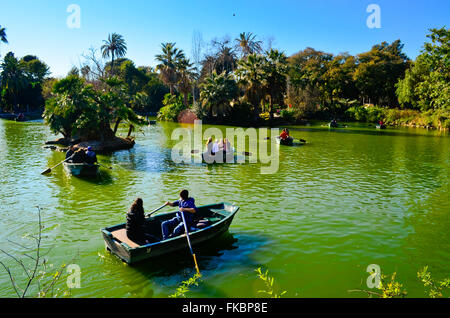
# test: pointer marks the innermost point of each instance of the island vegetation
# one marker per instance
(235, 82)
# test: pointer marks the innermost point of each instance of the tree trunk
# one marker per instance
(130, 130)
(116, 126)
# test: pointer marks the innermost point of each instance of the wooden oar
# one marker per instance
(153, 212)
(189, 242)
(50, 169)
(110, 168)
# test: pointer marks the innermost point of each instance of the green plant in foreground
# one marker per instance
(268, 281)
(185, 286)
(435, 287)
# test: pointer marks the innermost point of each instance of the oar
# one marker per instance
(50, 169)
(153, 212)
(301, 140)
(189, 242)
(110, 168)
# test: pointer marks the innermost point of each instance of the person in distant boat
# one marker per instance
(216, 147)
(70, 152)
(79, 156)
(210, 146)
(21, 116)
(175, 226)
(284, 134)
(91, 157)
(227, 146)
(135, 226)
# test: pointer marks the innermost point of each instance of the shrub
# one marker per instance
(173, 106)
(287, 115)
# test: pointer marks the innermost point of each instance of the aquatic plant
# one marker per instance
(269, 282)
(185, 286)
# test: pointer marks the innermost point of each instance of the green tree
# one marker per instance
(248, 44)
(170, 61)
(217, 93)
(426, 83)
(251, 76)
(378, 71)
(275, 74)
(13, 80)
(3, 37)
(114, 46)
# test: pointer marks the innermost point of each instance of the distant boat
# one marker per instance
(381, 126)
(218, 217)
(333, 124)
(81, 169)
(286, 142)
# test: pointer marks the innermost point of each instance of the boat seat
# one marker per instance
(121, 236)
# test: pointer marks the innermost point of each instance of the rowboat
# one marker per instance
(333, 125)
(381, 126)
(80, 169)
(229, 157)
(286, 142)
(219, 217)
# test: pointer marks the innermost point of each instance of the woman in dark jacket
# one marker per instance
(136, 222)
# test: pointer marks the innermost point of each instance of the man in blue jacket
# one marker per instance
(175, 226)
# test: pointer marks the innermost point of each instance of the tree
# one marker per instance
(170, 61)
(426, 83)
(275, 77)
(217, 93)
(115, 46)
(251, 76)
(13, 80)
(248, 44)
(379, 70)
(3, 37)
(187, 76)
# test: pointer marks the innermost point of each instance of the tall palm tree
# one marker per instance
(251, 76)
(3, 35)
(225, 60)
(170, 62)
(217, 93)
(114, 47)
(187, 76)
(275, 77)
(248, 44)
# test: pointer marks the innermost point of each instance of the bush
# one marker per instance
(173, 106)
(287, 115)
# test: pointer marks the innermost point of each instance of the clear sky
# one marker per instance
(39, 27)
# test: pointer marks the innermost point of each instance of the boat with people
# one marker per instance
(81, 169)
(285, 142)
(211, 221)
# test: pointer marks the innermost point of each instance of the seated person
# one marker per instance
(284, 134)
(70, 152)
(175, 226)
(91, 157)
(227, 146)
(136, 224)
(79, 156)
(209, 146)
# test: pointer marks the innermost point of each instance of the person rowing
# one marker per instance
(175, 226)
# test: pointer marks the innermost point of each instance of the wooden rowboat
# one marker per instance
(219, 215)
(286, 142)
(81, 169)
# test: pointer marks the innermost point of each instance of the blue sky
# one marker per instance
(39, 26)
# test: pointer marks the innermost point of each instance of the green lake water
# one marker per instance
(349, 198)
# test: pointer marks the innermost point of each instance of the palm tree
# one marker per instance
(225, 60)
(3, 35)
(251, 75)
(170, 62)
(248, 44)
(187, 76)
(275, 77)
(115, 46)
(217, 93)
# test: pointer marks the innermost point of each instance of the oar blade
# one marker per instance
(46, 171)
